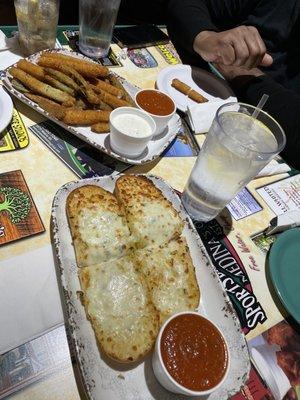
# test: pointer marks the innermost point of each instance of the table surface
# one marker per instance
(40, 168)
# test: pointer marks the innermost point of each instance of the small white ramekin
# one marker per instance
(160, 120)
(162, 374)
(124, 144)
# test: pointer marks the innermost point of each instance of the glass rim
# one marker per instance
(279, 148)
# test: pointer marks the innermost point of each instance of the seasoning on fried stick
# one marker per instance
(86, 68)
(100, 127)
(31, 69)
(54, 109)
(188, 91)
(40, 87)
(59, 85)
(63, 78)
(74, 116)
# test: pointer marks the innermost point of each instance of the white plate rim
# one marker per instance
(166, 140)
(170, 69)
(7, 108)
(69, 300)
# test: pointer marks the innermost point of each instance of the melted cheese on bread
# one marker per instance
(98, 226)
(117, 302)
(170, 274)
(151, 217)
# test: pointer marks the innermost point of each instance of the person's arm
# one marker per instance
(197, 27)
(283, 104)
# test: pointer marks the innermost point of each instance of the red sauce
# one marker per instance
(194, 353)
(154, 102)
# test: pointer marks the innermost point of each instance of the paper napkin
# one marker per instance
(202, 115)
(29, 298)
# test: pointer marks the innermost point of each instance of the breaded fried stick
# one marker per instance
(40, 87)
(188, 91)
(100, 127)
(86, 68)
(54, 109)
(75, 116)
(107, 87)
(63, 78)
(31, 69)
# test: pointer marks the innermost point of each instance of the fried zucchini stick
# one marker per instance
(113, 101)
(107, 87)
(59, 85)
(40, 87)
(100, 127)
(54, 109)
(31, 69)
(63, 78)
(86, 68)
(74, 116)
(115, 82)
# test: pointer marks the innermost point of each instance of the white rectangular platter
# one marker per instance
(107, 380)
(101, 142)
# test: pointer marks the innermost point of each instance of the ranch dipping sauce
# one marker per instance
(194, 352)
(132, 125)
(155, 102)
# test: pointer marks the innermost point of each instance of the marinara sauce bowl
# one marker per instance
(191, 355)
(157, 104)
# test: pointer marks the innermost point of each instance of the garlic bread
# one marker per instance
(150, 216)
(98, 225)
(117, 303)
(170, 275)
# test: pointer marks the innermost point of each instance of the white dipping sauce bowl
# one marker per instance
(160, 120)
(124, 140)
(164, 377)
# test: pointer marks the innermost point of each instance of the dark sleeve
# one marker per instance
(283, 105)
(187, 18)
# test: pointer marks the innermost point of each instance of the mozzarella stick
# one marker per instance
(113, 101)
(188, 91)
(40, 87)
(196, 96)
(63, 78)
(99, 85)
(182, 87)
(54, 109)
(100, 127)
(74, 116)
(31, 69)
(59, 85)
(86, 68)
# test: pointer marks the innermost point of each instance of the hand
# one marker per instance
(241, 46)
(232, 72)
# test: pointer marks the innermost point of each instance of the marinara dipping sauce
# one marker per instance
(155, 102)
(194, 352)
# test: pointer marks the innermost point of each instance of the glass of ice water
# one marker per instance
(96, 23)
(235, 149)
(37, 24)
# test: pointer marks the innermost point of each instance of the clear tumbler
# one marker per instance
(96, 23)
(37, 24)
(235, 149)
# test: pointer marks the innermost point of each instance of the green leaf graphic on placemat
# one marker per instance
(15, 203)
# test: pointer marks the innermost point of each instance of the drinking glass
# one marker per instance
(37, 24)
(235, 149)
(96, 22)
